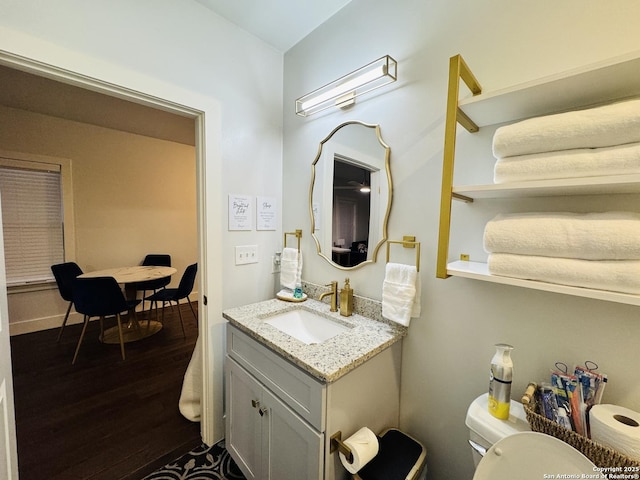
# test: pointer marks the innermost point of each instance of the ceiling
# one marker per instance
(37, 94)
(280, 23)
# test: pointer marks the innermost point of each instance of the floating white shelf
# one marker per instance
(614, 184)
(480, 271)
(588, 86)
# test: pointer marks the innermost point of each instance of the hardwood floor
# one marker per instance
(102, 418)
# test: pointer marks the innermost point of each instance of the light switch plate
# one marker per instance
(246, 254)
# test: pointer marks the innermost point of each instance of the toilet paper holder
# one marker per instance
(338, 444)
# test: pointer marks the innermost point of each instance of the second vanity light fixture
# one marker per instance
(342, 92)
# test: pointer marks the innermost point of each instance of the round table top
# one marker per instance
(135, 274)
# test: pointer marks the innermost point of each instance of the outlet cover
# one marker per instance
(246, 254)
(275, 264)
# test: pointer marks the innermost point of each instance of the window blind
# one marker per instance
(32, 218)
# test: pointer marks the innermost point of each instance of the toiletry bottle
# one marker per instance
(297, 291)
(346, 299)
(500, 377)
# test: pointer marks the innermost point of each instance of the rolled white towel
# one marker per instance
(589, 236)
(401, 293)
(612, 275)
(583, 162)
(605, 126)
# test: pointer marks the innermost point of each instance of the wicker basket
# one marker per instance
(600, 455)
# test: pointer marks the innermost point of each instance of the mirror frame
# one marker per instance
(387, 168)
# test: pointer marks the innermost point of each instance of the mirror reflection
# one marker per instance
(350, 195)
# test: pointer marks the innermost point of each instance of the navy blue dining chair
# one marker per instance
(176, 294)
(157, 260)
(100, 297)
(65, 274)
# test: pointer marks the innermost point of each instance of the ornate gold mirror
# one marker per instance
(350, 195)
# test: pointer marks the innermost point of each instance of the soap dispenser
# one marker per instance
(346, 299)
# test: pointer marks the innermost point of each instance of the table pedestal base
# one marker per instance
(131, 332)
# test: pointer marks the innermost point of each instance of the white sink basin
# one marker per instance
(306, 326)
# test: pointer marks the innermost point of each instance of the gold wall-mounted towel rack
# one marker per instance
(297, 234)
(407, 242)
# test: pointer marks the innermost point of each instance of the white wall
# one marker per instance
(183, 53)
(186, 46)
(447, 352)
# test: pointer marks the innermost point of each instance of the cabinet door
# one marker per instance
(293, 449)
(243, 423)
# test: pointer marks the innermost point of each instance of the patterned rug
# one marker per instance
(202, 463)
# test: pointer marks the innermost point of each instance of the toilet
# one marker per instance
(511, 450)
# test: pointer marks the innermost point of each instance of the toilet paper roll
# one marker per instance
(364, 446)
(616, 427)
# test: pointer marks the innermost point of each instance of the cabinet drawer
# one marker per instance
(297, 389)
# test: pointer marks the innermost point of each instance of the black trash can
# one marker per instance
(400, 457)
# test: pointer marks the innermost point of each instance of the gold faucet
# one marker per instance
(334, 296)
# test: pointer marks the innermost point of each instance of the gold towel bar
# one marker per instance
(298, 235)
(407, 242)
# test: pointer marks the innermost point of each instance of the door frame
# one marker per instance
(8, 440)
(116, 81)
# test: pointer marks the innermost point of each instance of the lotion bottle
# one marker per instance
(500, 377)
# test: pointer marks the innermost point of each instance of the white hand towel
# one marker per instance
(612, 275)
(290, 267)
(401, 293)
(606, 126)
(417, 300)
(583, 162)
(589, 236)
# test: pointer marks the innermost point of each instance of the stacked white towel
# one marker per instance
(290, 267)
(401, 293)
(588, 236)
(613, 275)
(572, 144)
(581, 162)
(593, 250)
(613, 124)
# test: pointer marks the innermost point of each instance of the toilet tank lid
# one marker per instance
(492, 429)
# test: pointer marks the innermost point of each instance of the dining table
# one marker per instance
(128, 277)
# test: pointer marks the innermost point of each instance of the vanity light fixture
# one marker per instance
(343, 92)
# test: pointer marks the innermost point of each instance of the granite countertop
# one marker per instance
(326, 361)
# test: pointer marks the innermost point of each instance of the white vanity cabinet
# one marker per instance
(267, 438)
(279, 418)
